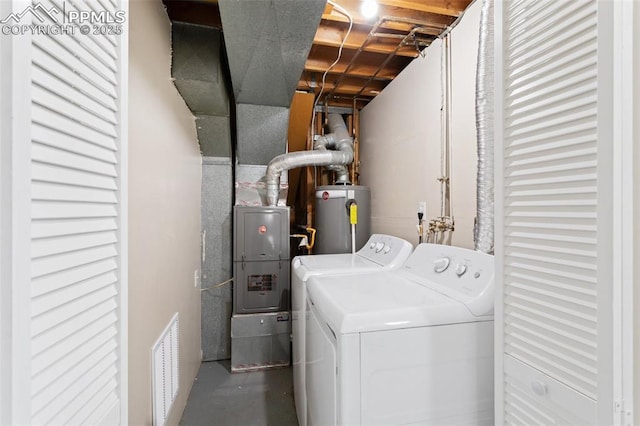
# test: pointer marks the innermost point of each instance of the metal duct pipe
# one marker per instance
(333, 149)
(483, 232)
(338, 140)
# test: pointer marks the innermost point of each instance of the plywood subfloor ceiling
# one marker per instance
(374, 53)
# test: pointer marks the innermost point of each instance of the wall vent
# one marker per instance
(165, 379)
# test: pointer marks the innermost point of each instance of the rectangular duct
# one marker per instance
(197, 69)
(262, 133)
(200, 75)
(265, 65)
(266, 62)
(216, 214)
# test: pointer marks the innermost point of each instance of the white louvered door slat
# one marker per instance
(553, 158)
(76, 296)
(60, 99)
(53, 174)
(64, 141)
(66, 123)
(98, 43)
(49, 81)
(65, 56)
(54, 66)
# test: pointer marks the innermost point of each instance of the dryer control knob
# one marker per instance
(441, 265)
(387, 249)
(379, 247)
(461, 268)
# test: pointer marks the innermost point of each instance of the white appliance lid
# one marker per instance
(337, 261)
(306, 266)
(382, 301)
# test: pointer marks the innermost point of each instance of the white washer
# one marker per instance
(382, 252)
(413, 346)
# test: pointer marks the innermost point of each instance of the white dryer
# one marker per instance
(410, 347)
(381, 252)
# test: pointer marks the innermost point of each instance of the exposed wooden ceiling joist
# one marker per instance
(439, 7)
(383, 41)
(369, 61)
(377, 49)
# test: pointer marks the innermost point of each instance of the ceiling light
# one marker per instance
(369, 8)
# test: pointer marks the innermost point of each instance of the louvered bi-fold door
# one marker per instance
(77, 289)
(553, 220)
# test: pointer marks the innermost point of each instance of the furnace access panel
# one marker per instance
(261, 259)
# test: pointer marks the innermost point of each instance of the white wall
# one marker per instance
(464, 46)
(164, 211)
(401, 143)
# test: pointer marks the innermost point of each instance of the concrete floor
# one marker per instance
(219, 398)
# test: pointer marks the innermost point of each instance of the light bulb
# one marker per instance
(369, 8)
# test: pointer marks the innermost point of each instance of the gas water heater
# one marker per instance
(333, 224)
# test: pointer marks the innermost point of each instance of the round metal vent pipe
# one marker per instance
(333, 149)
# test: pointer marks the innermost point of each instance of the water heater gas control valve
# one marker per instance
(441, 265)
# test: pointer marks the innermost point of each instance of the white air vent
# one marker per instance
(165, 372)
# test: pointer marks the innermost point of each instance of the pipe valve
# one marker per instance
(304, 239)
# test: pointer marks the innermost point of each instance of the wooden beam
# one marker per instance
(361, 71)
(300, 115)
(439, 7)
(347, 87)
(426, 16)
(331, 36)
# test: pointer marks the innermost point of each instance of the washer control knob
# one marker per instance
(386, 250)
(379, 247)
(441, 265)
(461, 268)
(372, 246)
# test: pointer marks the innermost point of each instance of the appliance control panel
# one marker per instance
(386, 250)
(462, 274)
